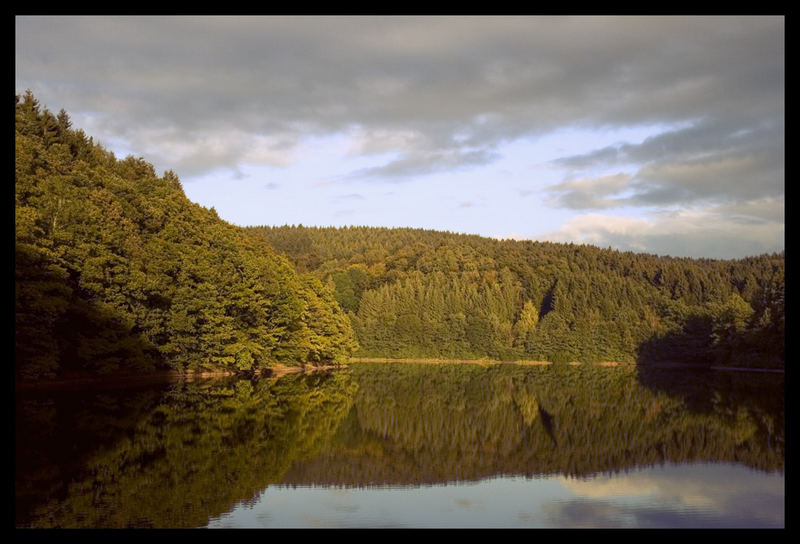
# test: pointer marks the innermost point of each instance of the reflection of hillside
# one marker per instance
(57, 433)
(704, 390)
(201, 449)
(178, 457)
(419, 424)
(751, 400)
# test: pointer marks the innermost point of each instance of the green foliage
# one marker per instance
(421, 293)
(116, 270)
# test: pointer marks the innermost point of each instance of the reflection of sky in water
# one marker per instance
(700, 495)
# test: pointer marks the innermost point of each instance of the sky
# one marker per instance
(657, 134)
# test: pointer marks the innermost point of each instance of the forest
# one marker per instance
(413, 293)
(116, 270)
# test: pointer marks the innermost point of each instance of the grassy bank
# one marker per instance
(534, 363)
(475, 361)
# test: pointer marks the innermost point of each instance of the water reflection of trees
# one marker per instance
(176, 457)
(431, 423)
(57, 433)
(742, 400)
(201, 448)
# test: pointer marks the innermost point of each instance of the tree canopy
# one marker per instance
(116, 270)
(423, 293)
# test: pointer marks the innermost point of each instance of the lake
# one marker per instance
(409, 445)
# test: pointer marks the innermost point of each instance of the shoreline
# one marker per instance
(487, 362)
(162, 376)
(484, 362)
(170, 376)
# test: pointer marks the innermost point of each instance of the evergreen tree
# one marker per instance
(116, 270)
(439, 294)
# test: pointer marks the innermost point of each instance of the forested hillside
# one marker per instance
(116, 270)
(421, 293)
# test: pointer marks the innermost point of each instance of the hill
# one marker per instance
(422, 293)
(117, 271)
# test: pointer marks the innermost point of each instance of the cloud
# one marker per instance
(420, 163)
(717, 178)
(603, 230)
(583, 193)
(366, 141)
(725, 231)
(581, 513)
(700, 495)
(709, 161)
(444, 92)
(198, 153)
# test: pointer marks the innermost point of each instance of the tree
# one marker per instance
(117, 270)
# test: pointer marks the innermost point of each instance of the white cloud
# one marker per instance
(702, 494)
(714, 232)
(589, 192)
(600, 230)
(365, 141)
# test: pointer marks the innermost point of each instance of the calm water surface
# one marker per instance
(692, 495)
(406, 445)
